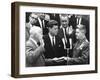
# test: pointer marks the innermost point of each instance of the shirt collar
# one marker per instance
(34, 41)
(51, 38)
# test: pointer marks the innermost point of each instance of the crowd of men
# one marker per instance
(56, 39)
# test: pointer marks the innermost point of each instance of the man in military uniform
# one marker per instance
(81, 48)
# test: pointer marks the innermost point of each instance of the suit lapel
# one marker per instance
(33, 44)
(49, 41)
(61, 32)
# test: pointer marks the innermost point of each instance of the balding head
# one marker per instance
(64, 20)
(36, 33)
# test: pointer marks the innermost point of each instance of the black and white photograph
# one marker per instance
(56, 39)
(51, 39)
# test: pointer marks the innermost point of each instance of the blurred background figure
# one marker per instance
(47, 17)
(35, 48)
(84, 20)
(43, 18)
(32, 20)
(55, 16)
(72, 21)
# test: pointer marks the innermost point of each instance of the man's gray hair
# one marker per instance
(34, 30)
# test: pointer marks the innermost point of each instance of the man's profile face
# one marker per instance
(39, 35)
(42, 16)
(33, 18)
(53, 30)
(64, 21)
(79, 34)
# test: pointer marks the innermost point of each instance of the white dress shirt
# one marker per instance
(40, 22)
(51, 37)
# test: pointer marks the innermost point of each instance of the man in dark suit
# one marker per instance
(66, 33)
(34, 51)
(73, 21)
(81, 48)
(41, 22)
(53, 45)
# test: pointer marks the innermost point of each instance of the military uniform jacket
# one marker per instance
(80, 53)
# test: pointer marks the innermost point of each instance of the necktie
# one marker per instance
(66, 32)
(52, 41)
(42, 23)
(67, 38)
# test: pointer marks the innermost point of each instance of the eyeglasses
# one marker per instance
(34, 18)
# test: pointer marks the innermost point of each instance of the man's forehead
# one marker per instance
(64, 18)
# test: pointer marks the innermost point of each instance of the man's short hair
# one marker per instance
(34, 30)
(51, 23)
(33, 15)
(64, 16)
(81, 28)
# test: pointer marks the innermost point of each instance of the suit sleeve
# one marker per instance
(83, 59)
(32, 53)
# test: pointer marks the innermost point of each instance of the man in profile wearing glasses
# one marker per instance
(30, 24)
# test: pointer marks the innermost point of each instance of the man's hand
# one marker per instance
(70, 30)
(55, 59)
(42, 44)
(65, 58)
